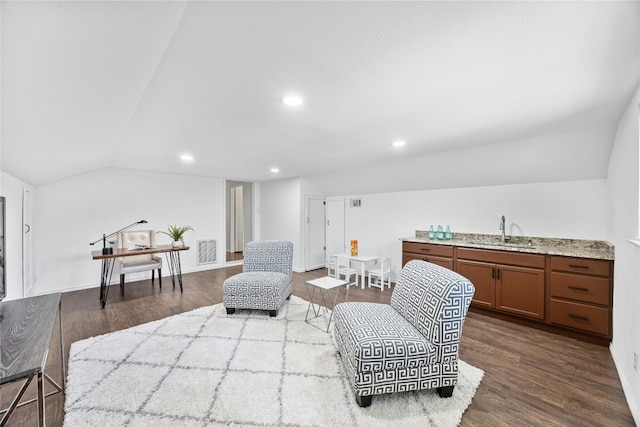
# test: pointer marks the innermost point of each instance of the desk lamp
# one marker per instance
(109, 250)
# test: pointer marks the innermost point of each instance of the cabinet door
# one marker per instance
(444, 262)
(482, 275)
(408, 256)
(520, 290)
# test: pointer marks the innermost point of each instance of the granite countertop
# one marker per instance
(595, 249)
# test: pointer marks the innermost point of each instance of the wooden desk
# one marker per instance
(25, 335)
(173, 259)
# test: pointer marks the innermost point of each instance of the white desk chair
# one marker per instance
(381, 275)
(137, 263)
(344, 270)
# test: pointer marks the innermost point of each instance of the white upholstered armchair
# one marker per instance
(265, 281)
(137, 263)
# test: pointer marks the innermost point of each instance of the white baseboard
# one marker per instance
(115, 279)
(626, 388)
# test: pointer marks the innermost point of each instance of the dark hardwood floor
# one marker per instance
(234, 256)
(532, 377)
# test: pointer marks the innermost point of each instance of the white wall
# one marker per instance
(71, 213)
(573, 209)
(624, 188)
(279, 215)
(12, 189)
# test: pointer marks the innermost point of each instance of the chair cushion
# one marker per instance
(268, 255)
(376, 337)
(265, 290)
(434, 300)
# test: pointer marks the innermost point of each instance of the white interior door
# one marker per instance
(314, 233)
(334, 228)
(27, 243)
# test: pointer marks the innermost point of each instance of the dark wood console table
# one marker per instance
(173, 259)
(25, 335)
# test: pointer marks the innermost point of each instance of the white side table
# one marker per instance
(324, 285)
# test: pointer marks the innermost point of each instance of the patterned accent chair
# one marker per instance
(411, 344)
(265, 281)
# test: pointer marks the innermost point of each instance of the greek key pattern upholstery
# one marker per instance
(265, 281)
(411, 344)
(385, 341)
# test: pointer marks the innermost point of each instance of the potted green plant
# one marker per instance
(177, 234)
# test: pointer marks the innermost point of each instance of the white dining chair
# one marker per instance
(381, 275)
(332, 267)
(344, 271)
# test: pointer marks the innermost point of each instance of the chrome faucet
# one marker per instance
(502, 228)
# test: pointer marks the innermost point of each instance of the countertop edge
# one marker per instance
(592, 249)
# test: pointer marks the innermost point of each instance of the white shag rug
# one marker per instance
(204, 368)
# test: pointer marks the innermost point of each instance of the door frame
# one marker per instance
(314, 226)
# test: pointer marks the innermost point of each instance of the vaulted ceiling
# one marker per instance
(88, 85)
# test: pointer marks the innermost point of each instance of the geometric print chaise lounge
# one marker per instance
(265, 281)
(411, 344)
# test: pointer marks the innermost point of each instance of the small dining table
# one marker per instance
(363, 260)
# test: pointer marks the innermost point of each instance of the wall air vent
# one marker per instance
(207, 251)
(356, 203)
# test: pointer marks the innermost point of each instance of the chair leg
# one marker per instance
(153, 274)
(231, 310)
(446, 391)
(160, 278)
(363, 401)
(273, 313)
(122, 285)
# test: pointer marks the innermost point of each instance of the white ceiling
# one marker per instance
(87, 85)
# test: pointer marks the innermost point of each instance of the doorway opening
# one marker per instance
(239, 218)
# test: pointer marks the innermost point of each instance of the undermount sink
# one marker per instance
(504, 245)
(519, 245)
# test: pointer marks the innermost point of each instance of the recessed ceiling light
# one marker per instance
(186, 158)
(292, 100)
(274, 170)
(398, 143)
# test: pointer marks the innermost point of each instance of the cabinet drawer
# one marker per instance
(580, 316)
(427, 249)
(502, 257)
(596, 267)
(581, 288)
(442, 261)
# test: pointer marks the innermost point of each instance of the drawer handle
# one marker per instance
(578, 288)
(584, 267)
(578, 317)
(425, 250)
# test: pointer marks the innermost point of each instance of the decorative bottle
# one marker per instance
(440, 233)
(447, 233)
(432, 233)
